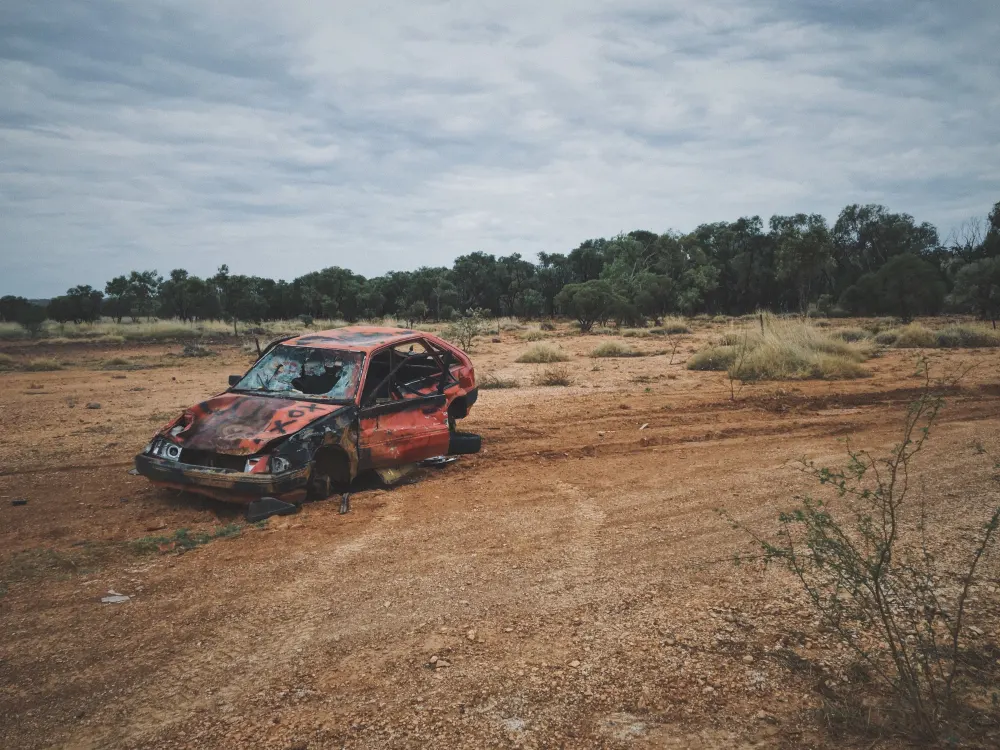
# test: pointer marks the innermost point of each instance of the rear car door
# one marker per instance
(404, 412)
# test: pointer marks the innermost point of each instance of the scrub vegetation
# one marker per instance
(783, 350)
(543, 354)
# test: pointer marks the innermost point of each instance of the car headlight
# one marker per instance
(279, 464)
(164, 449)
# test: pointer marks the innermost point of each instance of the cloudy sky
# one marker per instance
(283, 137)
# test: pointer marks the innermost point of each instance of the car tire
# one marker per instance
(462, 443)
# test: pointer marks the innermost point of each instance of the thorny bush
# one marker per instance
(897, 593)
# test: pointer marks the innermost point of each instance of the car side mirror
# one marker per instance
(234, 379)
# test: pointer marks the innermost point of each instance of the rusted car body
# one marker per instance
(316, 410)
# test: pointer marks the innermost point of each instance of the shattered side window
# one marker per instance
(301, 371)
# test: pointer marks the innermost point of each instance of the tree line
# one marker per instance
(870, 262)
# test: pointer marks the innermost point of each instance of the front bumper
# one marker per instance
(219, 481)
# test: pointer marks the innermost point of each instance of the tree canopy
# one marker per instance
(871, 261)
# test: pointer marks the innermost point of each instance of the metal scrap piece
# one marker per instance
(266, 507)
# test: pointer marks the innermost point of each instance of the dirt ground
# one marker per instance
(570, 586)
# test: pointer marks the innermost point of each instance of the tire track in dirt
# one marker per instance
(289, 626)
(586, 517)
(511, 445)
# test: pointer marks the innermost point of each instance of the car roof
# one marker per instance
(356, 338)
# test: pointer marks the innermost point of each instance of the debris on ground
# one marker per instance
(93, 405)
(438, 460)
(345, 503)
(266, 507)
(114, 597)
(19, 501)
(393, 474)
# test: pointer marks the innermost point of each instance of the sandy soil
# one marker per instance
(571, 586)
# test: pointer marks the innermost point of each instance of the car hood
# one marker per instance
(241, 424)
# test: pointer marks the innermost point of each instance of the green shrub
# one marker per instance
(464, 330)
(901, 601)
(7, 362)
(553, 376)
(915, 336)
(543, 354)
(42, 364)
(613, 349)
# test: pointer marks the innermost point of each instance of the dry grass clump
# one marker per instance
(553, 376)
(713, 358)
(673, 326)
(12, 331)
(543, 354)
(614, 349)
(919, 336)
(495, 382)
(42, 364)
(786, 350)
(915, 336)
(887, 338)
(7, 362)
(533, 335)
(877, 325)
(968, 337)
(851, 334)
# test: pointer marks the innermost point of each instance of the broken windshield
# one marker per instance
(327, 374)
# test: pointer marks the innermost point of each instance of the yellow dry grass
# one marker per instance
(784, 350)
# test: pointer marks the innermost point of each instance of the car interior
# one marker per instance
(413, 367)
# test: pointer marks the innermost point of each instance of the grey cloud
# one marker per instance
(283, 138)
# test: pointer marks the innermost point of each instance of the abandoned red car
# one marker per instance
(316, 410)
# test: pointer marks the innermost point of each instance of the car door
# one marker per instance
(404, 414)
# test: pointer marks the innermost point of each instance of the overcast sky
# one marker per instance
(284, 137)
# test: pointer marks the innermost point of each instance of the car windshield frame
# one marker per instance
(278, 383)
